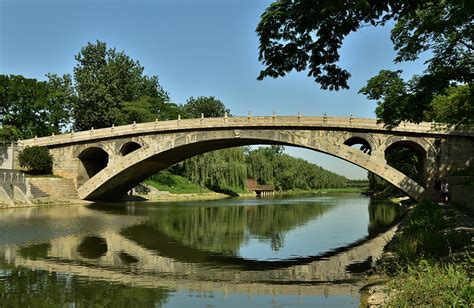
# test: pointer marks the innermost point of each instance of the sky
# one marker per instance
(196, 48)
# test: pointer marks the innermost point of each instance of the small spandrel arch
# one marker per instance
(360, 143)
(129, 147)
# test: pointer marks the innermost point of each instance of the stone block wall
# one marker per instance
(463, 195)
(53, 187)
(454, 154)
(462, 190)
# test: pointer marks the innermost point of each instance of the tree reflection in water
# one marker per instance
(382, 214)
(20, 287)
(224, 230)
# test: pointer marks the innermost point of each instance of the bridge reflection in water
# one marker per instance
(193, 247)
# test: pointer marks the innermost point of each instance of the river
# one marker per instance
(299, 251)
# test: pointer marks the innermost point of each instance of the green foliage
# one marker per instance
(398, 100)
(10, 133)
(169, 111)
(393, 99)
(223, 229)
(307, 35)
(454, 106)
(428, 233)
(404, 160)
(227, 170)
(20, 287)
(427, 274)
(208, 106)
(382, 215)
(36, 160)
(268, 165)
(175, 184)
(32, 107)
(61, 98)
(433, 284)
(223, 170)
(108, 83)
(147, 109)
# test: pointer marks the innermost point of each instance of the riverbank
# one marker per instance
(342, 190)
(167, 196)
(168, 186)
(210, 195)
(428, 262)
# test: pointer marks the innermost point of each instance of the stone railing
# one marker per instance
(8, 176)
(324, 122)
(13, 187)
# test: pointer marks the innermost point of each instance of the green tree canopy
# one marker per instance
(32, 107)
(147, 109)
(269, 165)
(108, 83)
(307, 35)
(454, 106)
(209, 106)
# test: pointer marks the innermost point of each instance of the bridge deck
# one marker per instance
(309, 122)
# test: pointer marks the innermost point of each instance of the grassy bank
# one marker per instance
(175, 184)
(430, 260)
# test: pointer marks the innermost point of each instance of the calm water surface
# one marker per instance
(281, 252)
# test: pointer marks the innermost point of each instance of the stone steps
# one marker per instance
(53, 187)
(37, 192)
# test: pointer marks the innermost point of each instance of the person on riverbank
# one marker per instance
(445, 191)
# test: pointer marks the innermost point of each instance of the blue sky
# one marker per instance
(197, 48)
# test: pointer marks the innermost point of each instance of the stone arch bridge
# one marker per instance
(105, 163)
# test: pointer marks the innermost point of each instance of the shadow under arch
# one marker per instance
(93, 159)
(114, 181)
(129, 147)
(418, 163)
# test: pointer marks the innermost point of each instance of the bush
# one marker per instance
(36, 160)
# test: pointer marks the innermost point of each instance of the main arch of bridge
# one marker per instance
(129, 154)
(163, 151)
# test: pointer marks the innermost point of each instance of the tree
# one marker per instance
(147, 109)
(307, 34)
(209, 106)
(269, 165)
(36, 160)
(32, 107)
(61, 97)
(454, 106)
(104, 80)
(218, 170)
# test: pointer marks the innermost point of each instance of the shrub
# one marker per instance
(36, 160)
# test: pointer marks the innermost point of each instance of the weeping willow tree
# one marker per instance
(219, 169)
(269, 165)
(227, 170)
